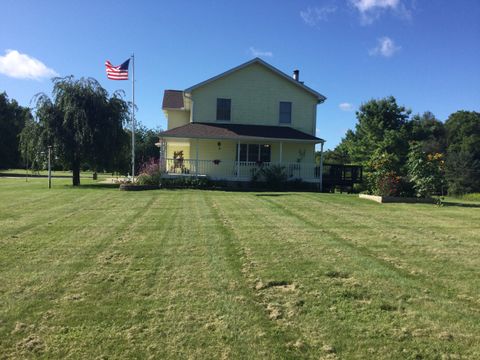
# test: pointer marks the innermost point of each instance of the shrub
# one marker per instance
(150, 173)
(383, 179)
(426, 171)
(271, 177)
(187, 183)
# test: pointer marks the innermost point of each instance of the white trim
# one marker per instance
(319, 141)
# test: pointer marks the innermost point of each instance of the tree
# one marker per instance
(145, 149)
(382, 127)
(426, 171)
(463, 152)
(463, 133)
(82, 123)
(429, 132)
(335, 156)
(31, 145)
(12, 120)
(462, 172)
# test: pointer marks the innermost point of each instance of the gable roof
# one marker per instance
(238, 132)
(173, 99)
(259, 61)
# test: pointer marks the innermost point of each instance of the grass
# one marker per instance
(93, 272)
(22, 172)
(472, 197)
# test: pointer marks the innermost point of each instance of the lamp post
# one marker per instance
(49, 167)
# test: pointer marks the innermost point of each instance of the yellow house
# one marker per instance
(251, 116)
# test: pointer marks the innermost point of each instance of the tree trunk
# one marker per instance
(76, 172)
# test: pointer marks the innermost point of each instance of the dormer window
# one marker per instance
(285, 116)
(223, 109)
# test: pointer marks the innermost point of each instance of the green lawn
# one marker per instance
(23, 172)
(94, 273)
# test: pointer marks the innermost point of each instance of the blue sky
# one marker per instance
(425, 53)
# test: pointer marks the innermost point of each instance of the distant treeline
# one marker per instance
(86, 128)
(388, 138)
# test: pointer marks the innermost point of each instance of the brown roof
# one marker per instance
(173, 99)
(237, 132)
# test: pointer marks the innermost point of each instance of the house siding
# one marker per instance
(227, 151)
(176, 118)
(256, 93)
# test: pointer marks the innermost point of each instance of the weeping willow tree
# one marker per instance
(82, 123)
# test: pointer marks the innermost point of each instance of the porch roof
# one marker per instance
(238, 132)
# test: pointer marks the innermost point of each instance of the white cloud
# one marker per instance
(259, 53)
(312, 16)
(370, 10)
(368, 5)
(345, 106)
(23, 66)
(385, 47)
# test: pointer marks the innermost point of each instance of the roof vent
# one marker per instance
(296, 75)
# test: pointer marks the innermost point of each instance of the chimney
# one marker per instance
(296, 75)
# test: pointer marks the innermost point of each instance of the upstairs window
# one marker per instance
(223, 109)
(285, 112)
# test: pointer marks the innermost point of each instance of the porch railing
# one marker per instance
(233, 170)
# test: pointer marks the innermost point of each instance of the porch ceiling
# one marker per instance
(238, 132)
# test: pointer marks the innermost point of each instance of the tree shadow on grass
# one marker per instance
(94, 186)
(272, 195)
(460, 204)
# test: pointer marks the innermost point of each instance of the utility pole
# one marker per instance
(49, 166)
(26, 163)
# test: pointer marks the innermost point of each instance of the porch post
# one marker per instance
(238, 159)
(196, 160)
(165, 155)
(281, 152)
(321, 167)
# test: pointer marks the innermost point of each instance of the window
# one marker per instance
(223, 109)
(285, 112)
(265, 153)
(255, 152)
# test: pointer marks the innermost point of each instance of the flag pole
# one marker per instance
(133, 117)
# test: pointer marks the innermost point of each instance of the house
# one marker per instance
(248, 117)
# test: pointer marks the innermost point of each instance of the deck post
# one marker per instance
(196, 159)
(321, 167)
(238, 159)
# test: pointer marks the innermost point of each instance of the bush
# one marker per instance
(271, 177)
(187, 183)
(150, 173)
(426, 171)
(382, 179)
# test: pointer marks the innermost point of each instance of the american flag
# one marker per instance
(117, 72)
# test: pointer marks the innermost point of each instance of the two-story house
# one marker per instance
(249, 116)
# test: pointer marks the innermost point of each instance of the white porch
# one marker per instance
(236, 170)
